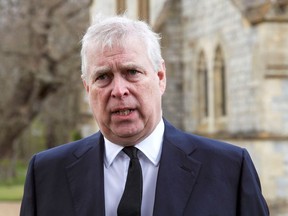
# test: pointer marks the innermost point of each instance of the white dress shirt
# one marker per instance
(116, 164)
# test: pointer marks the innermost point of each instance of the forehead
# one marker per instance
(113, 43)
(129, 50)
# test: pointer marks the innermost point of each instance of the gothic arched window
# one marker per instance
(143, 10)
(120, 6)
(220, 106)
(202, 87)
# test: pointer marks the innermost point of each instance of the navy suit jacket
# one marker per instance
(197, 177)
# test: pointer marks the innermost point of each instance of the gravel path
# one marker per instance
(9, 208)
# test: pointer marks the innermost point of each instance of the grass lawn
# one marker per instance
(12, 189)
(11, 192)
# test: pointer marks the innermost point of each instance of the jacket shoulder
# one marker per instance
(66, 153)
(202, 146)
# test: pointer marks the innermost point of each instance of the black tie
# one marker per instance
(130, 203)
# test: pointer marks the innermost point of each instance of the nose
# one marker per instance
(119, 87)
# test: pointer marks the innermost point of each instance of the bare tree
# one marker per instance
(39, 52)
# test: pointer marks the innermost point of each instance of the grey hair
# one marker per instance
(106, 32)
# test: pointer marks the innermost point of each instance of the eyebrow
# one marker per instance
(131, 65)
(106, 69)
(100, 70)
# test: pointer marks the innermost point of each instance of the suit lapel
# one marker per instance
(85, 177)
(177, 174)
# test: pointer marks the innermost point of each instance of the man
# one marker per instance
(180, 174)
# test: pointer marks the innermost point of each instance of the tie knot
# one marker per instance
(131, 151)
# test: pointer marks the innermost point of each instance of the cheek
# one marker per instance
(150, 94)
(95, 100)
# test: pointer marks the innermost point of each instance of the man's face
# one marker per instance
(124, 92)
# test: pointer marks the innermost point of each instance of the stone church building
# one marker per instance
(227, 70)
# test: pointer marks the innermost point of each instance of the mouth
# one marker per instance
(123, 112)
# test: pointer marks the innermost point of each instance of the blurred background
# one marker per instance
(227, 68)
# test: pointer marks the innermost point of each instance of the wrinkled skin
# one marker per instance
(124, 92)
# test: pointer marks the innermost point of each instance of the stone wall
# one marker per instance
(171, 32)
(255, 58)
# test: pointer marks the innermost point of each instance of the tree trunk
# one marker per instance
(39, 42)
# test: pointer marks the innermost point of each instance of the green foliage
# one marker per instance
(76, 135)
(32, 140)
(12, 189)
(18, 178)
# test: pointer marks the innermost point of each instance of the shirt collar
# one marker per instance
(151, 146)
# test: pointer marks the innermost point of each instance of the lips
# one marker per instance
(123, 112)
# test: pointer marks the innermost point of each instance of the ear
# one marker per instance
(86, 86)
(162, 77)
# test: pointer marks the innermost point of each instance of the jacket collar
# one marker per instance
(85, 177)
(177, 175)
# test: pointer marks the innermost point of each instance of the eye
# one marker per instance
(133, 72)
(102, 79)
(133, 75)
